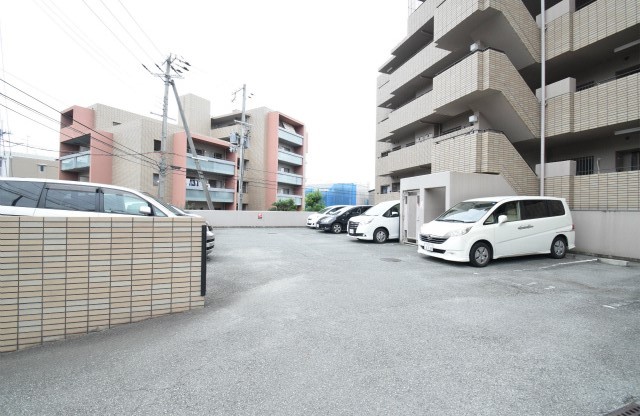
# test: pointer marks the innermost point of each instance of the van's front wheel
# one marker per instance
(558, 248)
(480, 254)
(380, 235)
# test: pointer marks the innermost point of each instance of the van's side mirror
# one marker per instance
(502, 218)
(145, 210)
(395, 214)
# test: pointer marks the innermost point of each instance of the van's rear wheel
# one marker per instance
(380, 235)
(480, 254)
(558, 248)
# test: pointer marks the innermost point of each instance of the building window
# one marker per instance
(384, 189)
(157, 145)
(156, 179)
(199, 152)
(66, 119)
(395, 187)
(628, 160)
(217, 155)
(41, 168)
(584, 165)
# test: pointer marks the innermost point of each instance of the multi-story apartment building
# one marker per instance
(461, 93)
(109, 145)
(23, 165)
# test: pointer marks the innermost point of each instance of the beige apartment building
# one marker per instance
(24, 165)
(108, 145)
(461, 94)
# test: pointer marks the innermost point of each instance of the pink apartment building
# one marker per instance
(108, 145)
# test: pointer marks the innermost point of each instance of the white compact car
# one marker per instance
(379, 223)
(482, 229)
(313, 218)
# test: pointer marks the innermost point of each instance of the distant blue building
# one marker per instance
(341, 193)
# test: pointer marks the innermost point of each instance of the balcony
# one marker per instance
(509, 22)
(196, 194)
(296, 199)
(289, 178)
(75, 162)
(486, 81)
(407, 118)
(290, 157)
(290, 137)
(211, 165)
(408, 158)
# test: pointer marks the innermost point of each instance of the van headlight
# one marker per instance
(458, 232)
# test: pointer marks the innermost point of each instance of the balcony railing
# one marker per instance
(290, 137)
(211, 165)
(75, 162)
(289, 178)
(196, 194)
(296, 198)
(289, 157)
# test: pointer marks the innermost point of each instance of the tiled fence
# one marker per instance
(64, 276)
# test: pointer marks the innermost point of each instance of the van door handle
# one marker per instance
(524, 227)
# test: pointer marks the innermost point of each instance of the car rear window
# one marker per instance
(556, 208)
(20, 193)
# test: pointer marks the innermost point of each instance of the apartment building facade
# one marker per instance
(461, 93)
(109, 145)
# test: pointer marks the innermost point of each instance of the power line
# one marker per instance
(113, 144)
(139, 27)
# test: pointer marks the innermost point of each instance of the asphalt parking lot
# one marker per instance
(299, 322)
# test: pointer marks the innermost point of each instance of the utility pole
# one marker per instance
(196, 159)
(242, 142)
(4, 160)
(162, 169)
(543, 91)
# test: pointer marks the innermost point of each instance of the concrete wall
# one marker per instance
(69, 276)
(607, 233)
(224, 219)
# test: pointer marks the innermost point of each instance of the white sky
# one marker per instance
(315, 61)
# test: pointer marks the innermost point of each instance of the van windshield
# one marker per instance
(468, 211)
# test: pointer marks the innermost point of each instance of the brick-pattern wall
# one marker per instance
(613, 102)
(602, 19)
(66, 276)
(618, 191)
(485, 152)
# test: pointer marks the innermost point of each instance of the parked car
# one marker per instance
(313, 218)
(379, 223)
(337, 222)
(482, 229)
(57, 198)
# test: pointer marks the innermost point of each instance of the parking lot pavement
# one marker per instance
(302, 322)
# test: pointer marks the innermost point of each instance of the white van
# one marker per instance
(57, 198)
(379, 223)
(482, 229)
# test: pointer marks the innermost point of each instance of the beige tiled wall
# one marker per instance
(485, 152)
(64, 276)
(619, 191)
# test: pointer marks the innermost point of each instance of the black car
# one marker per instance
(337, 223)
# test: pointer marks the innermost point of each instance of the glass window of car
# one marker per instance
(556, 208)
(467, 211)
(20, 193)
(72, 198)
(121, 202)
(532, 209)
(393, 210)
(510, 209)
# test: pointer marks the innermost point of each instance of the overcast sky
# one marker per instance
(315, 61)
